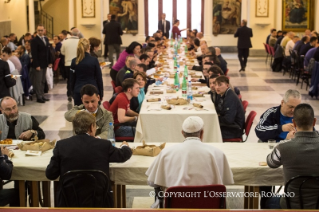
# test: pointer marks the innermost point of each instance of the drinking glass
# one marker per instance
(271, 143)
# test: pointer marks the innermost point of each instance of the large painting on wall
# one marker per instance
(127, 14)
(226, 16)
(297, 15)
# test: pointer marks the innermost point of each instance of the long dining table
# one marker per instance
(243, 158)
(159, 125)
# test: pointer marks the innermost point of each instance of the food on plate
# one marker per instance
(198, 105)
(6, 141)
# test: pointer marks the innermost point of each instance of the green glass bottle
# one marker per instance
(176, 81)
(186, 49)
(185, 71)
(184, 88)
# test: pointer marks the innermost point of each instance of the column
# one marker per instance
(31, 17)
(316, 24)
(244, 10)
(71, 14)
(278, 14)
(141, 22)
(208, 23)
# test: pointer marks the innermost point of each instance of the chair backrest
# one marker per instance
(266, 49)
(249, 122)
(118, 89)
(272, 51)
(245, 105)
(85, 188)
(106, 105)
(299, 183)
(113, 85)
(56, 64)
(205, 200)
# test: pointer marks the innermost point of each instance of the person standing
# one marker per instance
(68, 49)
(41, 56)
(164, 25)
(113, 32)
(244, 34)
(106, 49)
(176, 32)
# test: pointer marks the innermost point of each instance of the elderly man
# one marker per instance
(68, 49)
(90, 99)
(288, 37)
(290, 45)
(244, 34)
(223, 63)
(17, 125)
(198, 163)
(298, 157)
(129, 67)
(230, 110)
(85, 152)
(7, 196)
(276, 122)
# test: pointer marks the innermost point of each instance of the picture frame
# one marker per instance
(297, 15)
(88, 8)
(262, 8)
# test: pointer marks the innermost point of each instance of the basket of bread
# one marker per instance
(148, 150)
(39, 145)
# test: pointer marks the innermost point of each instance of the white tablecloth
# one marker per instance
(243, 159)
(166, 125)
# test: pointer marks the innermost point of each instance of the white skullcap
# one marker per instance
(193, 124)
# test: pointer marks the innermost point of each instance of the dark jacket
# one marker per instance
(40, 53)
(244, 34)
(5, 82)
(231, 115)
(161, 27)
(88, 71)
(305, 48)
(314, 86)
(120, 75)
(6, 167)
(278, 42)
(223, 63)
(316, 56)
(84, 152)
(269, 125)
(113, 32)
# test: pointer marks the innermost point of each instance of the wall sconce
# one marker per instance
(7, 1)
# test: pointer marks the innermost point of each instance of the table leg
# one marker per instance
(22, 193)
(246, 199)
(34, 194)
(123, 196)
(119, 196)
(46, 193)
(55, 188)
(255, 199)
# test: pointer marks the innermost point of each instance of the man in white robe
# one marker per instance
(190, 163)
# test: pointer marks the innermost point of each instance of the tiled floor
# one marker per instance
(259, 86)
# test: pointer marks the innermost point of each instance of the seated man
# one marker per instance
(145, 59)
(206, 164)
(212, 92)
(138, 68)
(223, 63)
(90, 99)
(122, 113)
(312, 43)
(7, 196)
(230, 110)
(276, 122)
(206, 67)
(298, 157)
(17, 125)
(129, 67)
(85, 152)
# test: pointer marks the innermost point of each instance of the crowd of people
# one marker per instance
(33, 55)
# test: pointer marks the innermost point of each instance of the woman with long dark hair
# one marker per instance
(133, 49)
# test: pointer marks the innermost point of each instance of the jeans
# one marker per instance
(125, 131)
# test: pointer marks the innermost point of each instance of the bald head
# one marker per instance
(9, 108)
(217, 50)
(199, 35)
(75, 32)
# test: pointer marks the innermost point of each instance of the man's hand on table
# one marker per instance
(4, 151)
(26, 135)
(190, 67)
(124, 143)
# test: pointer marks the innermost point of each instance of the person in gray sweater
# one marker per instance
(299, 157)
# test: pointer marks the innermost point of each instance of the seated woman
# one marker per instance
(133, 49)
(94, 46)
(136, 102)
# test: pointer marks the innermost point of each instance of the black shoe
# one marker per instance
(240, 70)
(69, 98)
(44, 99)
(40, 101)
(243, 69)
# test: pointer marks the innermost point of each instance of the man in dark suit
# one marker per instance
(41, 56)
(243, 44)
(85, 152)
(164, 25)
(106, 50)
(113, 32)
(5, 79)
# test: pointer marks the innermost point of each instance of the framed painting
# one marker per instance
(226, 16)
(262, 8)
(127, 14)
(297, 15)
(88, 8)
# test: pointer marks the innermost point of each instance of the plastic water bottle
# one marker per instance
(110, 134)
(190, 92)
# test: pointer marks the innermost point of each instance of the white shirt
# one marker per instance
(290, 45)
(164, 24)
(190, 163)
(199, 52)
(11, 66)
(69, 48)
